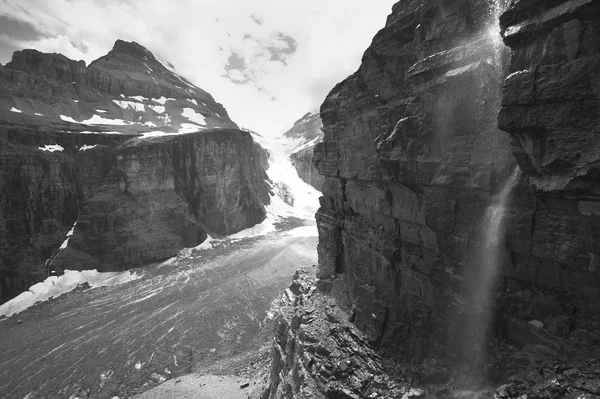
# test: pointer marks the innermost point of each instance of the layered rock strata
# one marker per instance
(135, 200)
(303, 163)
(317, 353)
(412, 156)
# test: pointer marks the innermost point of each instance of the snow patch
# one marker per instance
(55, 286)
(151, 124)
(51, 148)
(186, 128)
(38, 114)
(194, 116)
(98, 120)
(164, 63)
(155, 133)
(68, 119)
(139, 98)
(159, 109)
(69, 234)
(102, 111)
(306, 145)
(13, 109)
(193, 101)
(130, 104)
(90, 132)
(162, 100)
(86, 147)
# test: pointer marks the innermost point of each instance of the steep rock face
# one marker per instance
(306, 132)
(303, 163)
(135, 200)
(412, 157)
(92, 145)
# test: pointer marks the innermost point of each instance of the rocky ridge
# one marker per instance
(128, 87)
(126, 192)
(412, 156)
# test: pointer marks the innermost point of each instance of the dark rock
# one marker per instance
(308, 132)
(135, 200)
(412, 156)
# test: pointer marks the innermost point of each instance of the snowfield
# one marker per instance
(55, 286)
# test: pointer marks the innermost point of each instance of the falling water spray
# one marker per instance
(486, 266)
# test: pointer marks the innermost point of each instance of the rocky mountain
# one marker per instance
(413, 159)
(115, 165)
(304, 135)
(128, 88)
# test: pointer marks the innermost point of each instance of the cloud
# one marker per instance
(267, 62)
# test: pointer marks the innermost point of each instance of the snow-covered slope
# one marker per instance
(306, 132)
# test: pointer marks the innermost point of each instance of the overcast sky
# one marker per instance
(267, 61)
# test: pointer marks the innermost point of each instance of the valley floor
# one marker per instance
(122, 340)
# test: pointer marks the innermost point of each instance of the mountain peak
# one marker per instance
(133, 49)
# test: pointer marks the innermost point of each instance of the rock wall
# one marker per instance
(412, 156)
(306, 132)
(303, 163)
(135, 200)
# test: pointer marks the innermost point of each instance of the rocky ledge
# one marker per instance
(127, 200)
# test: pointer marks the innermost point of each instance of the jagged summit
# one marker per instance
(133, 49)
(128, 87)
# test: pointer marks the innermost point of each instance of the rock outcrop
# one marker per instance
(412, 157)
(135, 200)
(318, 353)
(89, 150)
(306, 133)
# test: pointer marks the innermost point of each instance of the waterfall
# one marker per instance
(485, 266)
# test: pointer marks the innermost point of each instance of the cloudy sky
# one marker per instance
(267, 61)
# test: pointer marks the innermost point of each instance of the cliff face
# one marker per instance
(306, 133)
(303, 163)
(93, 146)
(135, 200)
(412, 157)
